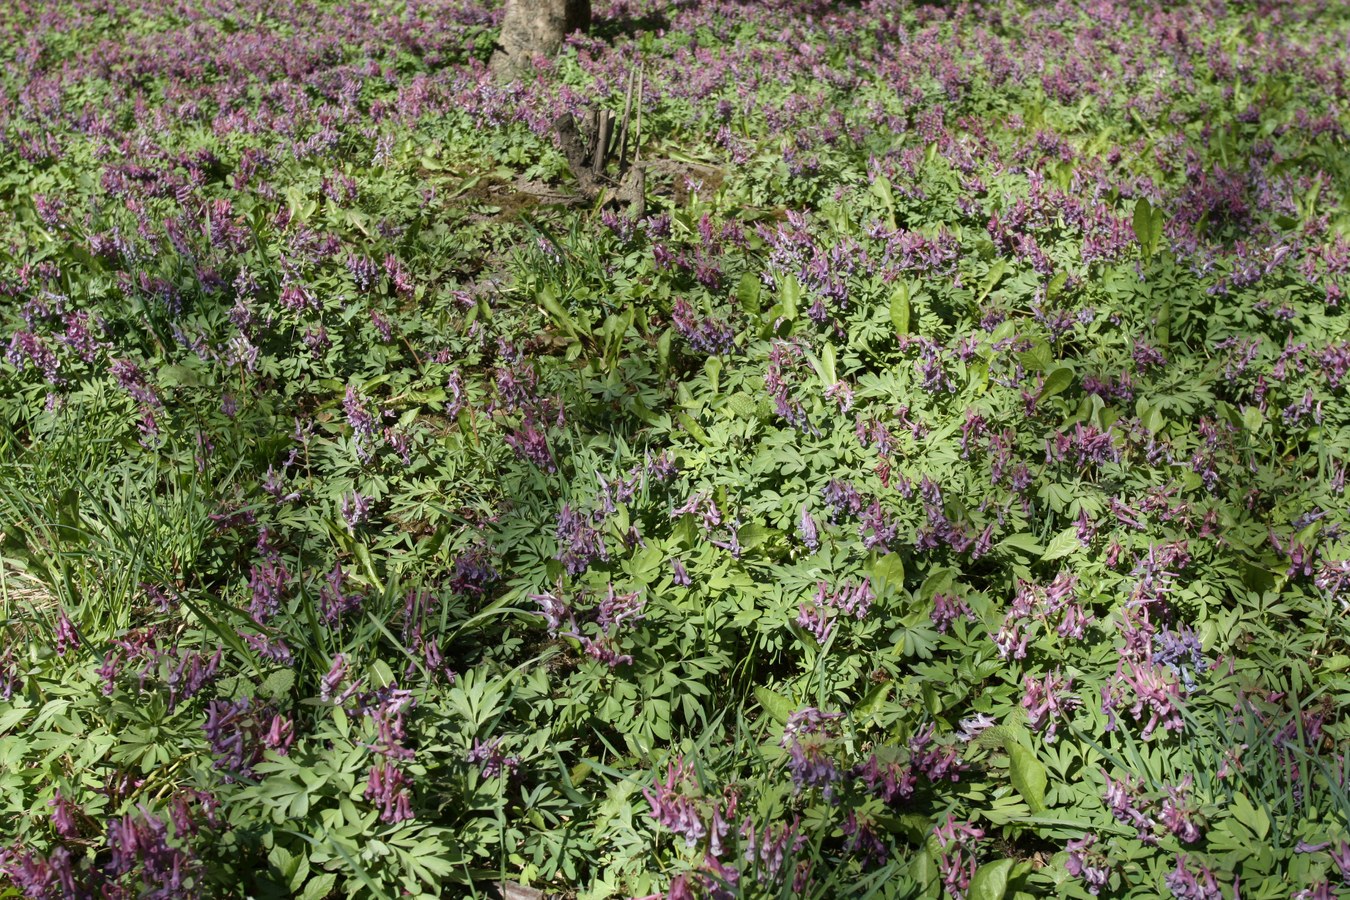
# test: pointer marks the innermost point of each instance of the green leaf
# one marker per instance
(695, 430)
(936, 582)
(1254, 820)
(752, 535)
(789, 293)
(1024, 541)
(1062, 545)
(550, 303)
(382, 674)
(900, 308)
(924, 871)
(1028, 775)
(990, 881)
(991, 280)
(828, 361)
(889, 571)
(1143, 226)
(775, 704)
(747, 293)
(1056, 382)
(881, 189)
(278, 685)
(319, 887)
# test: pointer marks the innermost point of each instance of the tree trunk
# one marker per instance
(531, 27)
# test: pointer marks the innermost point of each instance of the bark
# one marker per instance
(531, 27)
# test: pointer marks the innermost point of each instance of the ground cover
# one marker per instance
(937, 485)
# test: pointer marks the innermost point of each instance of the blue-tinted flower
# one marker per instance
(806, 530)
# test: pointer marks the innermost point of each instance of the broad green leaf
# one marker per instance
(382, 674)
(775, 704)
(1056, 382)
(889, 570)
(550, 303)
(1143, 225)
(712, 367)
(990, 881)
(923, 869)
(790, 295)
(1155, 232)
(754, 534)
(747, 293)
(1024, 541)
(278, 684)
(695, 430)
(936, 582)
(1254, 820)
(991, 280)
(1062, 545)
(900, 308)
(881, 189)
(828, 361)
(1028, 775)
(319, 887)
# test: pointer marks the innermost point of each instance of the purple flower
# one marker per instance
(810, 767)
(234, 732)
(1048, 700)
(280, 735)
(1180, 651)
(603, 649)
(707, 335)
(816, 621)
(492, 762)
(474, 570)
(1152, 693)
(1186, 884)
(334, 601)
(1123, 798)
(673, 807)
(618, 610)
(680, 575)
(142, 841)
(363, 423)
(337, 673)
(389, 789)
(843, 498)
(947, 608)
(876, 528)
(26, 348)
(805, 736)
(958, 861)
(67, 638)
(193, 672)
(768, 850)
(1088, 864)
(274, 649)
(579, 541)
(1178, 815)
(267, 580)
(355, 510)
(863, 841)
(387, 708)
(556, 611)
(1341, 857)
(63, 815)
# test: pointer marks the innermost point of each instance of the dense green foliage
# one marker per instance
(940, 487)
